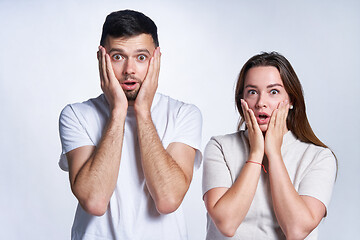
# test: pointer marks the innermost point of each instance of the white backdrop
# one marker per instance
(48, 59)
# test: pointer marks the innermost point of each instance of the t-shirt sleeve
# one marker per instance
(72, 134)
(215, 169)
(188, 129)
(319, 181)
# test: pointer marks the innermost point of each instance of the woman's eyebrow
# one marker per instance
(275, 85)
(250, 86)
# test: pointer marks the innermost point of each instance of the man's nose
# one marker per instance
(129, 67)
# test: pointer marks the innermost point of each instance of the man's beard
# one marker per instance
(131, 95)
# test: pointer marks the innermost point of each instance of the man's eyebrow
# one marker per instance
(122, 51)
(143, 50)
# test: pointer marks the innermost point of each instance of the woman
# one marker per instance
(274, 179)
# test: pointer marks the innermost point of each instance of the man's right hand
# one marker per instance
(109, 83)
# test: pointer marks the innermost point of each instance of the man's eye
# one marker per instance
(117, 57)
(141, 57)
(274, 91)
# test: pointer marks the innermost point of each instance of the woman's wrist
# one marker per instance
(256, 157)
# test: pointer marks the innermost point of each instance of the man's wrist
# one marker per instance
(143, 114)
(118, 113)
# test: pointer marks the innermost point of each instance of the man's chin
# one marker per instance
(131, 95)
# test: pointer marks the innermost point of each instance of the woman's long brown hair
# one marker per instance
(297, 120)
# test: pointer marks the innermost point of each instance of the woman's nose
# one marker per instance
(261, 101)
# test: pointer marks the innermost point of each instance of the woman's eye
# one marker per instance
(142, 57)
(251, 92)
(274, 91)
(117, 57)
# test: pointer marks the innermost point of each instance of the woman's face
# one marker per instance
(263, 91)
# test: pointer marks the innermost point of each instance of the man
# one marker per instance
(130, 152)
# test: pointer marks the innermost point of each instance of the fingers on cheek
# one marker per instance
(274, 117)
(252, 118)
(151, 66)
(108, 67)
(246, 117)
(103, 64)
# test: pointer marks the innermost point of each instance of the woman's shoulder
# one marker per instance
(238, 139)
(230, 137)
(295, 144)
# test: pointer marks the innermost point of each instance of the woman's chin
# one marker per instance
(264, 128)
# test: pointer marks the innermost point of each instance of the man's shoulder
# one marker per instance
(97, 102)
(92, 111)
(162, 101)
(91, 105)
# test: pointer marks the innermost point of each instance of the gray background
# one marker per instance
(48, 59)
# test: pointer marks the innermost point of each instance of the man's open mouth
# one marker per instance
(129, 83)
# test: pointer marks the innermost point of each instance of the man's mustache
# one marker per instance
(130, 77)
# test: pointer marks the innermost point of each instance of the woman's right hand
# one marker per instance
(256, 138)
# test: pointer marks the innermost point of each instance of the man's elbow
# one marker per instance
(94, 208)
(92, 203)
(168, 205)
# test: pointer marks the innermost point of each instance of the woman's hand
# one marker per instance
(256, 138)
(276, 130)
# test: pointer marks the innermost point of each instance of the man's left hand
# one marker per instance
(147, 91)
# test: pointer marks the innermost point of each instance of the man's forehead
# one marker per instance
(138, 41)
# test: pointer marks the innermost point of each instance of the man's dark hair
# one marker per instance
(128, 23)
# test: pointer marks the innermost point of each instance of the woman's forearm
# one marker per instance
(296, 217)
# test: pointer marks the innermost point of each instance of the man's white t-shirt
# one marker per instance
(131, 212)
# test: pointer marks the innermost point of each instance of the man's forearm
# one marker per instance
(165, 179)
(96, 180)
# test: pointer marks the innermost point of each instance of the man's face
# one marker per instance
(130, 57)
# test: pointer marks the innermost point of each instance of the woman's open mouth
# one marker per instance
(262, 118)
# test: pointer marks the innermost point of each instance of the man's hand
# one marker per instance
(109, 83)
(147, 91)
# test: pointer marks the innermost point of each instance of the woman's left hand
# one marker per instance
(276, 130)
